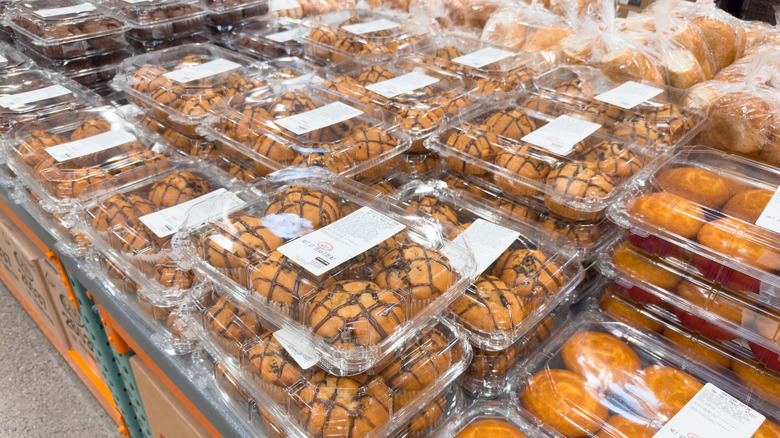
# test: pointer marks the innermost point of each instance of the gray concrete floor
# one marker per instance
(40, 396)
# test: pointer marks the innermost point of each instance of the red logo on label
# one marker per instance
(325, 246)
(692, 435)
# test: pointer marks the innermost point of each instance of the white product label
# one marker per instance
(19, 100)
(770, 217)
(629, 94)
(301, 351)
(90, 145)
(3, 59)
(319, 118)
(194, 212)
(284, 36)
(329, 247)
(712, 413)
(53, 12)
(282, 5)
(137, 1)
(560, 135)
(371, 26)
(487, 241)
(402, 84)
(483, 57)
(194, 73)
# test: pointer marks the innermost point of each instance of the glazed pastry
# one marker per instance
(511, 123)
(696, 185)
(671, 388)
(628, 310)
(633, 265)
(277, 280)
(419, 366)
(603, 357)
(90, 128)
(490, 428)
(230, 326)
(316, 209)
(742, 242)
(489, 305)
(177, 188)
(669, 213)
(169, 274)
(611, 158)
(329, 158)
(748, 205)
(529, 273)
(476, 141)
(491, 364)
(618, 426)
(435, 208)
(576, 181)
(121, 211)
(522, 161)
(720, 304)
(32, 150)
(273, 367)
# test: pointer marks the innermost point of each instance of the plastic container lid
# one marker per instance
(485, 417)
(407, 276)
(152, 20)
(146, 46)
(308, 127)
(11, 60)
(568, 160)
(81, 154)
(268, 38)
(599, 375)
(225, 12)
(501, 307)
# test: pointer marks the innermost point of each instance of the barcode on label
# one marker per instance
(90, 145)
(319, 118)
(17, 101)
(197, 72)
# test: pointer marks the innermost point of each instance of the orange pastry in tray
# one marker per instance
(699, 186)
(671, 388)
(668, 213)
(490, 428)
(748, 205)
(601, 357)
(639, 269)
(619, 426)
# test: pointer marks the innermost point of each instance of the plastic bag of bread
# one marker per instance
(439, 13)
(529, 28)
(760, 65)
(724, 34)
(570, 8)
(626, 59)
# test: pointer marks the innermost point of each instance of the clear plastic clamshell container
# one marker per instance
(598, 377)
(81, 154)
(12, 60)
(227, 12)
(704, 307)
(156, 20)
(490, 69)
(305, 127)
(425, 98)
(569, 161)
(66, 28)
(341, 35)
(408, 398)
(29, 95)
(269, 38)
(484, 418)
(520, 285)
(353, 299)
(192, 146)
(146, 46)
(655, 116)
(183, 85)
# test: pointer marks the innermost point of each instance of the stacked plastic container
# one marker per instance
(155, 25)
(268, 38)
(227, 16)
(82, 40)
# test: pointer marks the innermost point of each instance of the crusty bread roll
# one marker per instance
(722, 38)
(683, 68)
(478, 13)
(627, 63)
(740, 123)
(700, 97)
(545, 39)
(577, 50)
(504, 29)
(692, 39)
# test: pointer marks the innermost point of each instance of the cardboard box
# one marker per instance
(168, 418)
(20, 260)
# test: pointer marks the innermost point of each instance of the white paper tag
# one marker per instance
(15, 101)
(371, 26)
(282, 5)
(770, 217)
(53, 12)
(629, 94)
(3, 59)
(90, 145)
(329, 247)
(319, 118)
(194, 73)
(402, 84)
(560, 135)
(302, 352)
(483, 57)
(284, 36)
(712, 413)
(487, 241)
(133, 2)
(194, 212)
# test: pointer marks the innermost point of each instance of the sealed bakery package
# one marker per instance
(424, 97)
(226, 12)
(316, 245)
(297, 9)
(731, 354)
(706, 308)
(523, 276)
(146, 46)
(342, 35)
(66, 28)
(268, 38)
(286, 72)
(183, 85)
(408, 398)
(193, 146)
(601, 377)
(656, 116)
(155, 20)
(298, 125)
(758, 67)
(421, 165)
(6, 32)
(569, 161)
(485, 417)
(491, 69)
(81, 153)
(12, 60)
(723, 32)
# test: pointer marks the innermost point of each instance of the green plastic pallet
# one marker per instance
(123, 362)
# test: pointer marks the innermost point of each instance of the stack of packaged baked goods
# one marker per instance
(224, 16)
(155, 25)
(268, 38)
(82, 40)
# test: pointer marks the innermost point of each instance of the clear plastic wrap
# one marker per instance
(296, 9)
(156, 20)
(12, 60)
(146, 46)
(66, 28)
(227, 12)
(724, 33)
(269, 38)
(490, 418)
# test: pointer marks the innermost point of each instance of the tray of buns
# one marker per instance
(298, 125)
(348, 272)
(700, 305)
(487, 418)
(65, 28)
(656, 116)
(601, 377)
(156, 20)
(568, 161)
(193, 146)
(490, 69)
(269, 38)
(520, 285)
(424, 97)
(183, 85)
(341, 35)
(229, 12)
(407, 398)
